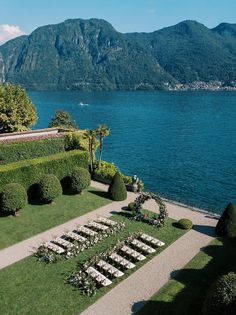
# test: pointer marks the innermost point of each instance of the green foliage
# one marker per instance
(80, 179)
(132, 206)
(185, 224)
(77, 141)
(13, 197)
(29, 172)
(105, 169)
(90, 136)
(62, 119)
(226, 225)
(15, 152)
(74, 141)
(221, 296)
(157, 220)
(102, 132)
(49, 188)
(44, 254)
(17, 112)
(117, 189)
(108, 170)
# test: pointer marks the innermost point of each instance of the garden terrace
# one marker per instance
(36, 218)
(51, 292)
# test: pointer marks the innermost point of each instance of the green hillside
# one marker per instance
(92, 55)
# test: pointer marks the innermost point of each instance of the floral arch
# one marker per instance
(159, 219)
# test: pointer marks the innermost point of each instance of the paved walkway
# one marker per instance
(125, 298)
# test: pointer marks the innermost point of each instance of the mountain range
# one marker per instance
(92, 55)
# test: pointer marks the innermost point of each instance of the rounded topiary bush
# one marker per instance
(185, 224)
(49, 188)
(117, 190)
(80, 179)
(13, 197)
(221, 296)
(226, 225)
(132, 206)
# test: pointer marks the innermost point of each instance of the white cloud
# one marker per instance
(9, 31)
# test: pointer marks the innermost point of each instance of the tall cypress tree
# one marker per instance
(226, 225)
(117, 189)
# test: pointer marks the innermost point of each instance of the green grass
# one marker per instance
(30, 287)
(34, 219)
(185, 294)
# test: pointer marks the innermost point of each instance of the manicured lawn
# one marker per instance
(34, 219)
(39, 289)
(185, 294)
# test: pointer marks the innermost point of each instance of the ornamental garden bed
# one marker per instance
(41, 289)
(36, 218)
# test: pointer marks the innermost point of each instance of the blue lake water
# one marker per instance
(181, 144)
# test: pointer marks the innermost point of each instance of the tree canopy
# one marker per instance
(62, 119)
(17, 112)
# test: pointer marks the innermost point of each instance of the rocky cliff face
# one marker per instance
(92, 55)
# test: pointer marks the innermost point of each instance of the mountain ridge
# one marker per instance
(93, 55)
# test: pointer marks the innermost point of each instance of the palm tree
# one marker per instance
(91, 136)
(102, 131)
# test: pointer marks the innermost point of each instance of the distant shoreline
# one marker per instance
(213, 86)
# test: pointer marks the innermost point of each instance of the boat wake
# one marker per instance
(83, 104)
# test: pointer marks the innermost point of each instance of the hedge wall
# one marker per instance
(28, 172)
(15, 152)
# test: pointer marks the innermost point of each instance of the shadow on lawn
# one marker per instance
(194, 284)
(99, 193)
(205, 229)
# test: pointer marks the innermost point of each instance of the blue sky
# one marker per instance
(23, 16)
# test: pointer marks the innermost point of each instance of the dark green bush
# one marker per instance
(80, 179)
(105, 169)
(13, 197)
(117, 189)
(49, 188)
(29, 172)
(221, 296)
(15, 152)
(108, 170)
(185, 224)
(131, 206)
(226, 225)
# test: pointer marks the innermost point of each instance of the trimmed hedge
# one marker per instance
(13, 197)
(185, 224)
(117, 190)
(49, 188)
(132, 206)
(29, 172)
(80, 179)
(221, 296)
(15, 152)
